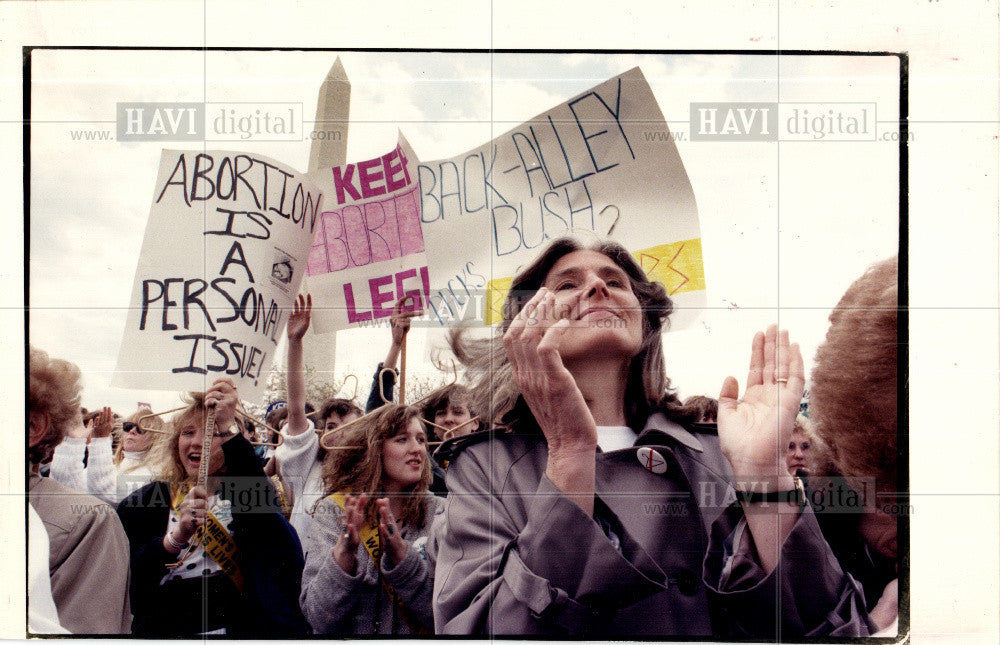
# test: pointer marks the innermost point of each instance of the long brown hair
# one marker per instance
(355, 464)
(647, 389)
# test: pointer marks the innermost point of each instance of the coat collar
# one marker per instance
(658, 424)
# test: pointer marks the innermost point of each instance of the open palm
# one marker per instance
(754, 430)
(298, 321)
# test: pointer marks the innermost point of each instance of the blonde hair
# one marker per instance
(355, 463)
(820, 455)
(165, 453)
(155, 423)
(54, 387)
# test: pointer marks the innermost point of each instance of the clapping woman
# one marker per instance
(366, 566)
(604, 511)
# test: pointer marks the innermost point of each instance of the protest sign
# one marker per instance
(600, 162)
(222, 260)
(369, 248)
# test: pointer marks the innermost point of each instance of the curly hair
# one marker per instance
(647, 390)
(54, 389)
(441, 398)
(852, 398)
(355, 464)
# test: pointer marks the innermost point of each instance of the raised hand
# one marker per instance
(532, 342)
(298, 320)
(392, 544)
(345, 550)
(400, 320)
(223, 397)
(755, 430)
(104, 422)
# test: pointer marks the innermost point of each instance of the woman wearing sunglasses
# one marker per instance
(106, 473)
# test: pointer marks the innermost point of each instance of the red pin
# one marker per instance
(651, 460)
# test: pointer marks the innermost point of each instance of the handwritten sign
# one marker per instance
(223, 257)
(369, 248)
(598, 162)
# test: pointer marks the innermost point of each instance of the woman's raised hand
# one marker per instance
(755, 430)
(104, 423)
(298, 320)
(549, 389)
(532, 343)
(345, 550)
(399, 321)
(223, 397)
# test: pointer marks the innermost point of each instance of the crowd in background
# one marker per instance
(564, 490)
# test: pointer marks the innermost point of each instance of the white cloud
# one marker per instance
(90, 200)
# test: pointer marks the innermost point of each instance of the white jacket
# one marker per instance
(100, 477)
(302, 470)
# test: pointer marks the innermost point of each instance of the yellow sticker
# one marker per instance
(496, 294)
(678, 266)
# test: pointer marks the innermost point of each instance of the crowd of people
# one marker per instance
(564, 491)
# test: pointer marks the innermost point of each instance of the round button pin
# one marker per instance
(651, 460)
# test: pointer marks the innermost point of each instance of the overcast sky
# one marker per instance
(785, 227)
(832, 206)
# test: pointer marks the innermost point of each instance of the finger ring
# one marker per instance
(781, 380)
(347, 534)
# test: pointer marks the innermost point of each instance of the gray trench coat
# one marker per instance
(516, 556)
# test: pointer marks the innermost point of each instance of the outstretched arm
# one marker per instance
(67, 458)
(399, 324)
(298, 323)
(768, 562)
(385, 376)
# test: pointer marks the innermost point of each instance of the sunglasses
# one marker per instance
(128, 426)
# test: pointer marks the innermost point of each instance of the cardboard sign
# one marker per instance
(598, 163)
(369, 248)
(222, 260)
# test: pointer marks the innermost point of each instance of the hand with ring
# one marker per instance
(345, 550)
(754, 430)
(193, 512)
(223, 397)
(392, 543)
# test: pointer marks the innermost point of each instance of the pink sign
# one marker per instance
(368, 251)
